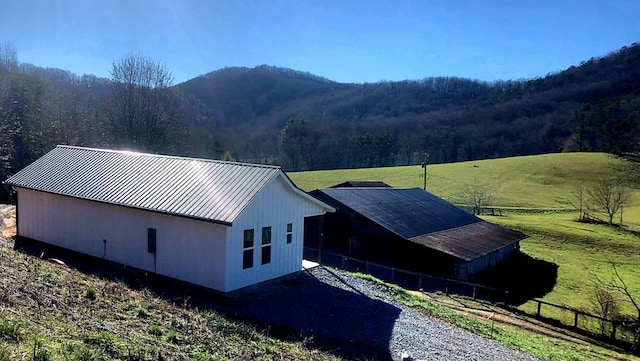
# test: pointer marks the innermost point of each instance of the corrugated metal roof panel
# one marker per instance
(406, 212)
(199, 188)
(423, 218)
(471, 241)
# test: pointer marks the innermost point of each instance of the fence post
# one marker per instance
(506, 294)
(539, 305)
(474, 293)
(575, 320)
(446, 288)
(613, 330)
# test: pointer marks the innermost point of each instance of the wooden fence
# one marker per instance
(615, 331)
(612, 331)
(411, 280)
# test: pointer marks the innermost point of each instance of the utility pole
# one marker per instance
(424, 175)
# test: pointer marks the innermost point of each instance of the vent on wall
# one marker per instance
(151, 240)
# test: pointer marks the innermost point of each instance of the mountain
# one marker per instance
(302, 121)
(308, 122)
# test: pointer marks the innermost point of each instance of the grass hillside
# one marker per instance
(539, 181)
(582, 252)
(52, 312)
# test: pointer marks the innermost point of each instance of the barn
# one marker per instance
(409, 228)
(221, 225)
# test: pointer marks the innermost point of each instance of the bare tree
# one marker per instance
(605, 304)
(478, 195)
(579, 201)
(619, 285)
(608, 198)
(143, 107)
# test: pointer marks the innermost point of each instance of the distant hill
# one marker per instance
(591, 106)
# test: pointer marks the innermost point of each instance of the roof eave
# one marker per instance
(215, 221)
(306, 195)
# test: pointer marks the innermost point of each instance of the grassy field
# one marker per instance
(52, 312)
(544, 182)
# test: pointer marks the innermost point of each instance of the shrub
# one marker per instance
(90, 293)
(172, 337)
(155, 330)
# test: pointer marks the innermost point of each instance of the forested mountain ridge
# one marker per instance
(303, 121)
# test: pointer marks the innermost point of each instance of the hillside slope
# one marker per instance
(49, 311)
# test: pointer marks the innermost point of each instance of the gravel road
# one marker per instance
(362, 314)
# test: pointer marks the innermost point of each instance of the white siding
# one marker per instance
(188, 250)
(276, 205)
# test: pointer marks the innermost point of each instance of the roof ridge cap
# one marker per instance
(154, 155)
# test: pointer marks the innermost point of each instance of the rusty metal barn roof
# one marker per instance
(470, 241)
(423, 218)
(210, 190)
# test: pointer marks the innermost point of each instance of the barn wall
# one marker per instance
(188, 250)
(467, 269)
(275, 206)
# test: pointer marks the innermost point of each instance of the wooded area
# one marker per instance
(302, 121)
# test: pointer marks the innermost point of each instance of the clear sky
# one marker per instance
(343, 40)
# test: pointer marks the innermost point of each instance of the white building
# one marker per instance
(220, 225)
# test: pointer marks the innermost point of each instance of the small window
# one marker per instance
(266, 245)
(289, 232)
(151, 240)
(248, 238)
(247, 249)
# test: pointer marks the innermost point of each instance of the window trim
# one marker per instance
(265, 248)
(248, 248)
(289, 234)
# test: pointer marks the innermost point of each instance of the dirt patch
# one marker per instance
(7, 222)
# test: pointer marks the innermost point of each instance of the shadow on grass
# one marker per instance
(299, 308)
(523, 276)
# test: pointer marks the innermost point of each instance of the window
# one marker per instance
(266, 245)
(151, 240)
(247, 249)
(289, 232)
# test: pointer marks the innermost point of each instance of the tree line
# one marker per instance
(303, 122)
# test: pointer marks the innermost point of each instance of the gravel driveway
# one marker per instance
(332, 305)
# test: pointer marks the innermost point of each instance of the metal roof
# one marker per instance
(470, 241)
(361, 184)
(407, 212)
(423, 218)
(210, 190)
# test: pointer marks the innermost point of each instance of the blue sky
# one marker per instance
(347, 41)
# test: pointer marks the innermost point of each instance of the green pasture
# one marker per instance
(584, 253)
(529, 181)
(543, 183)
